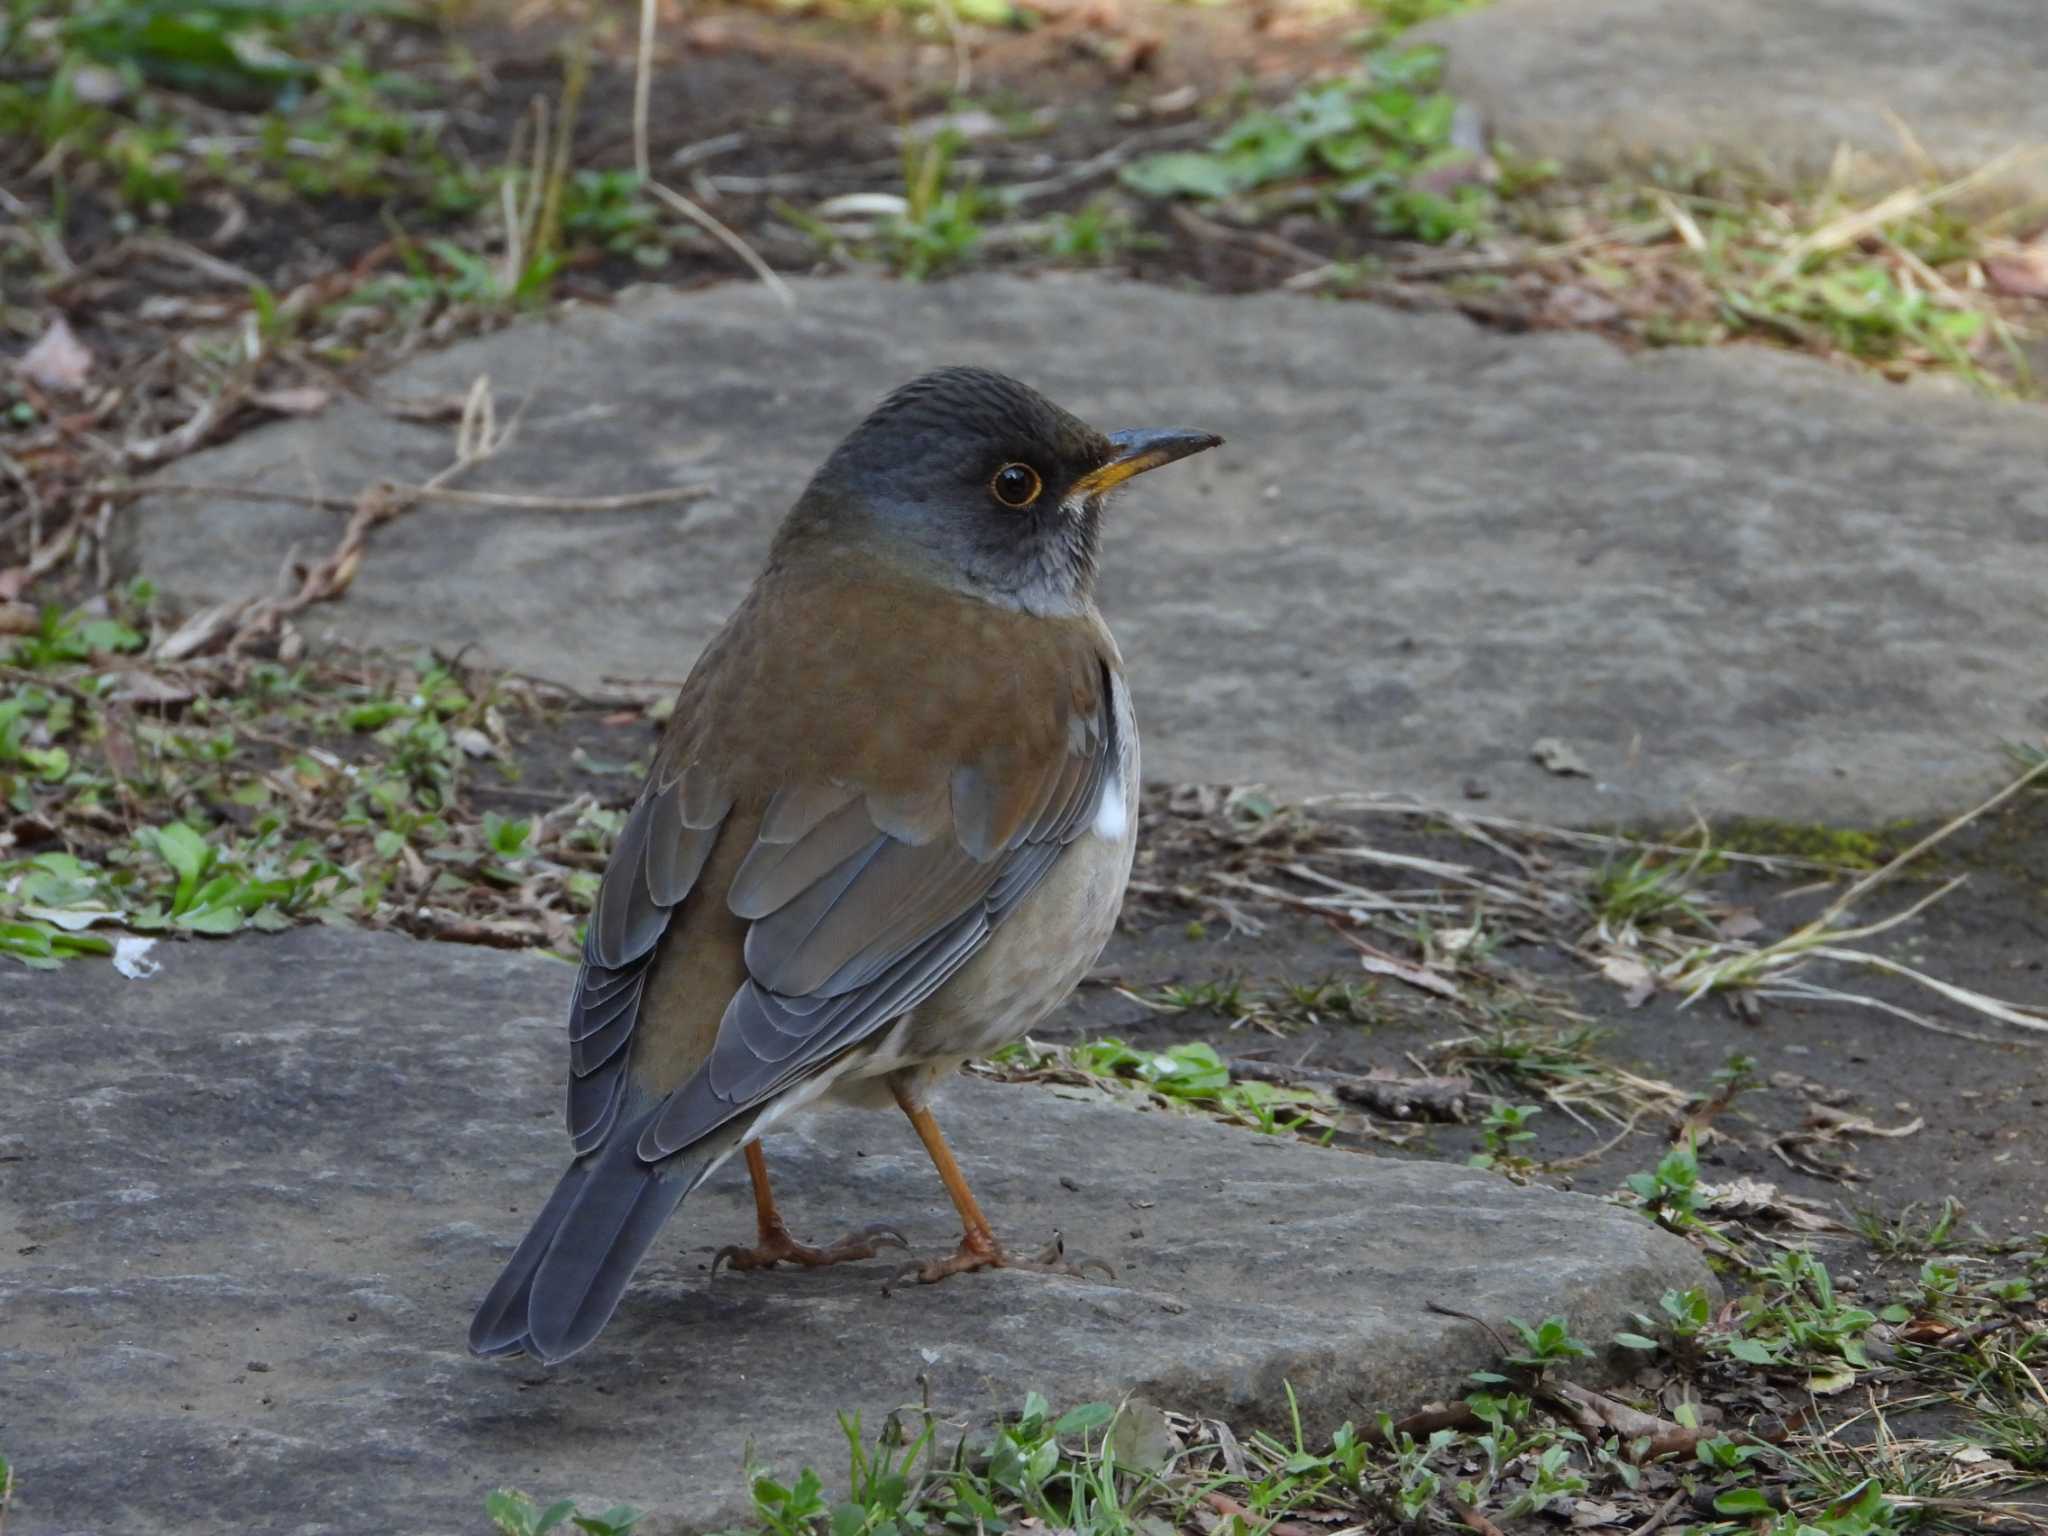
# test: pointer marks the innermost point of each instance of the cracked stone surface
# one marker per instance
(1761, 83)
(247, 1206)
(1731, 581)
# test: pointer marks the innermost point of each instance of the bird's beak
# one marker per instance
(1139, 451)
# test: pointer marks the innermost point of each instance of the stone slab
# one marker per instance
(313, 1152)
(1770, 84)
(1732, 580)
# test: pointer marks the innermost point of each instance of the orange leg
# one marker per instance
(776, 1246)
(978, 1246)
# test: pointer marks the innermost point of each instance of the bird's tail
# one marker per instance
(559, 1289)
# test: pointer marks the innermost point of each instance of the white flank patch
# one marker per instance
(1112, 820)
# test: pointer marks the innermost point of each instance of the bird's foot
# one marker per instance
(778, 1247)
(979, 1251)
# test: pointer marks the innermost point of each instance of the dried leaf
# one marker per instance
(2023, 273)
(1831, 1122)
(1740, 924)
(134, 686)
(1560, 759)
(1385, 965)
(1755, 1198)
(1142, 1438)
(1631, 975)
(59, 362)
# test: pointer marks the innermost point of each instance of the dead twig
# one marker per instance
(1426, 1421)
(1397, 1098)
(523, 501)
(643, 79)
(1472, 1519)
(1225, 1505)
(1662, 1513)
(1492, 1332)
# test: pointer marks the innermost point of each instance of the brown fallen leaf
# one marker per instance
(59, 361)
(2022, 273)
(1386, 965)
(132, 685)
(1754, 1198)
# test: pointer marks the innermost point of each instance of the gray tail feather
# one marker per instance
(562, 1283)
(499, 1327)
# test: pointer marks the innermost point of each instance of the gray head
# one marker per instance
(982, 483)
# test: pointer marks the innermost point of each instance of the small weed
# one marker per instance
(1904, 1234)
(237, 49)
(1887, 284)
(1503, 1131)
(1194, 1074)
(1670, 1191)
(940, 225)
(1550, 1342)
(606, 209)
(1379, 143)
(1685, 1315)
(1398, 16)
(1224, 998)
(1094, 235)
(1795, 1319)
(514, 1514)
(1651, 889)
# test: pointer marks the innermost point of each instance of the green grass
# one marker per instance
(291, 795)
(1651, 888)
(1376, 148)
(514, 1514)
(1191, 1074)
(1906, 1233)
(1517, 1443)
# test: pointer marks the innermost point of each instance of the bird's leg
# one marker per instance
(776, 1246)
(978, 1246)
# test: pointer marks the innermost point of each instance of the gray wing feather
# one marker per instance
(661, 851)
(773, 874)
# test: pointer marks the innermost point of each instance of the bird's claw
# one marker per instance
(1053, 1259)
(779, 1248)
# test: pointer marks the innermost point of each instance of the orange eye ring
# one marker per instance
(1016, 486)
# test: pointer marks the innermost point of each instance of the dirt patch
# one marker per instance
(1979, 1105)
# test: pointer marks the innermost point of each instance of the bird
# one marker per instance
(888, 828)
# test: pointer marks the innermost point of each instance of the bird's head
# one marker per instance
(983, 484)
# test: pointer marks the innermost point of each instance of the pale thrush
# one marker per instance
(888, 829)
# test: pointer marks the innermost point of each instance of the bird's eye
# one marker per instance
(1016, 485)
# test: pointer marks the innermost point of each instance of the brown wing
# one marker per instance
(862, 778)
